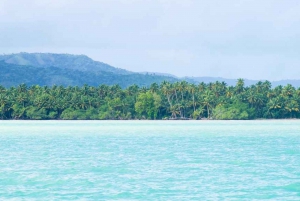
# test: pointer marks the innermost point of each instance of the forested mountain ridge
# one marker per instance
(13, 75)
(76, 70)
(64, 61)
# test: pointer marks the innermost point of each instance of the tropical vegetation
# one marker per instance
(179, 100)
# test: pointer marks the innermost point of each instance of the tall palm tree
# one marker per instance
(167, 91)
(240, 85)
(154, 88)
(192, 90)
(288, 90)
(208, 100)
(174, 109)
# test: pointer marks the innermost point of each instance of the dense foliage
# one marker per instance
(179, 100)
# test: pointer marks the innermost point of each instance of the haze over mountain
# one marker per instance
(232, 82)
(66, 69)
(65, 61)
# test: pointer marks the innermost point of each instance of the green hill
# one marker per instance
(70, 70)
(64, 61)
(13, 75)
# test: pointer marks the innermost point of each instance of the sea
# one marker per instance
(150, 160)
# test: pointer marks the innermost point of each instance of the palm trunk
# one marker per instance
(194, 102)
(176, 96)
(207, 111)
(168, 97)
(182, 114)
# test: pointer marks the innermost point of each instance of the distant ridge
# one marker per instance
(67, 69)
(161, 74)
(66, 61)
(232, 82)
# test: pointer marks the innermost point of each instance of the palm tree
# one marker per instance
(197, 113)
(208, 102)
(251, 97)
(230, 92)
(182, 88)
(22, 88)
(176, 87)
(3, 105)
(202, 87)
(292, 107)
(143, 89)
(167, 91)
(154, 88)
(240, 85)
(288, 90)
(273, 105)
(2, 89)
(21, 99)
(267, 85)
(174, 109)
(192, 90)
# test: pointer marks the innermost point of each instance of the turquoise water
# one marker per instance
(150, 160)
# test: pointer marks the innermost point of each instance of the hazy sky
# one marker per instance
(255, 39)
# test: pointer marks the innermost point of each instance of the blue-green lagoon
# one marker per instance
(150, 160)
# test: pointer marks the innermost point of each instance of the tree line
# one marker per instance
(180, 100)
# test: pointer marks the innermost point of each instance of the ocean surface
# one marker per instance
(150, 160)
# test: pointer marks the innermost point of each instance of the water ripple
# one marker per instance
(146, 160)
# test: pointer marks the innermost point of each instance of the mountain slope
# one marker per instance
(64, 61)
(13, 75)
(66, 69)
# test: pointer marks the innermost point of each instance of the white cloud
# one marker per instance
(212, 38)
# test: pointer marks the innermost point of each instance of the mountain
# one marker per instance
(66, 69)
(64, 61)
(13, 75)
(295, 83)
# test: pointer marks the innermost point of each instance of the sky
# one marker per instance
(251, 39)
